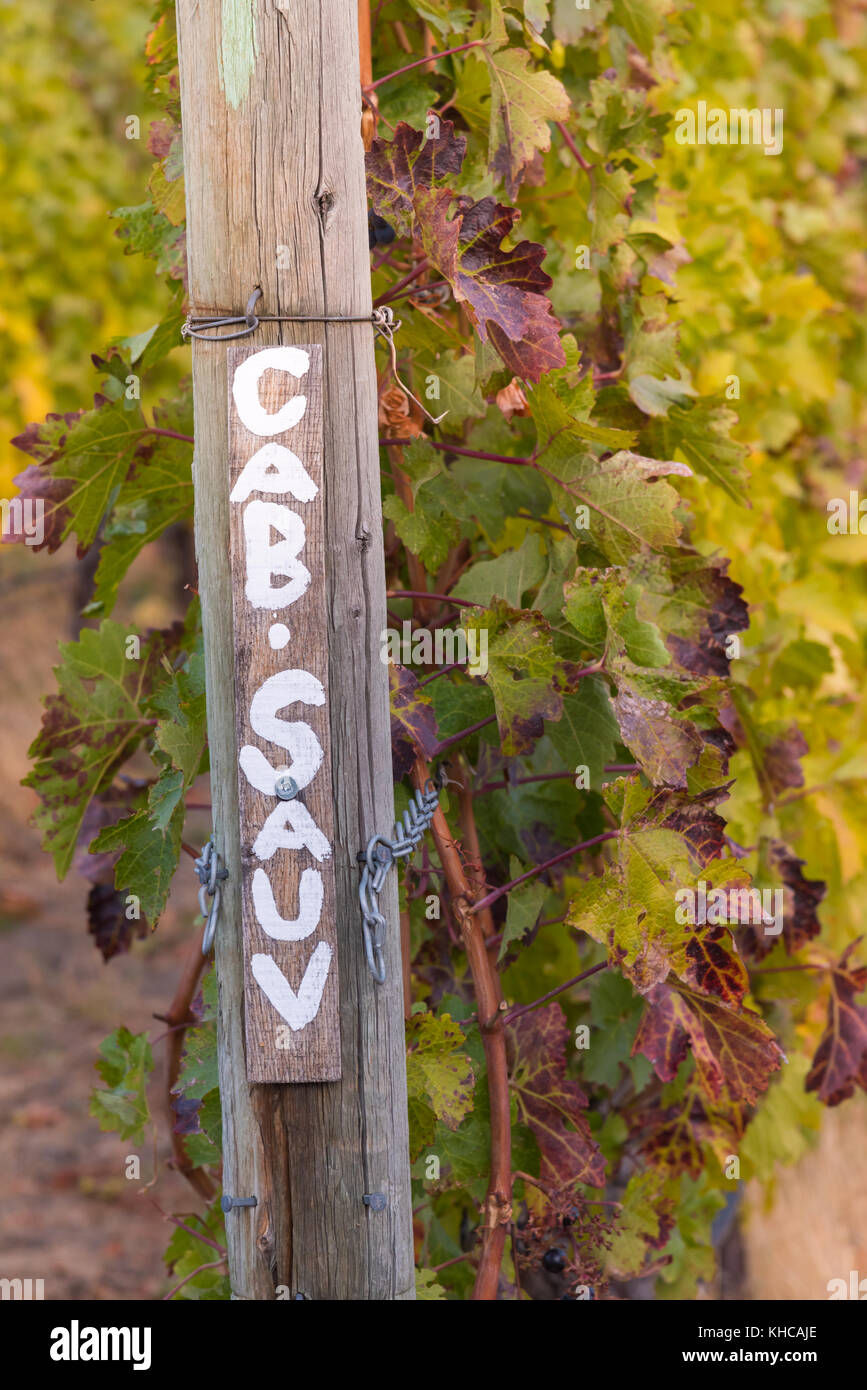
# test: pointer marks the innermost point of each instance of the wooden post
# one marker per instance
(275, 198)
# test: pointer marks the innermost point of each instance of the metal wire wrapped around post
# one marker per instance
(378, 858)
(209, 874)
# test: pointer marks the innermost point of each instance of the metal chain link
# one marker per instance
(378, 859)
(209, 874)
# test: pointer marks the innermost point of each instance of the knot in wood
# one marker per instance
(324, 203)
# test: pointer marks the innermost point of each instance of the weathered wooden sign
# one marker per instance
(277, 530)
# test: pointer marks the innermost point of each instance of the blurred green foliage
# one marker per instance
(70, 75)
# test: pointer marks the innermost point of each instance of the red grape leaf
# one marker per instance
(503, 288)
(735, 1051)
(696, 605)
(413, 722)
(551, 1104)
(840, 1063)
(397, 169)
(801, 897)
(673, 1136)
(775, 749)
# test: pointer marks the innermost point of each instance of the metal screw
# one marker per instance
(286, 787)
(227, 1203)
(374, 1200)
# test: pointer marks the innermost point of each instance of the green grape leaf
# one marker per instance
(440, 1077)
(586, 734)
(523, 908)
(125, 1064)
(701, 434)
(523, 101)
(524, 675)
(644, 1222)
(186, 1253)
(151, 845)
(91, 726)
(150, 233)
(666, 842)
(427, 1290)
(508, 577)
(94, 452)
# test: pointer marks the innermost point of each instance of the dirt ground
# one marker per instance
(68, 1214)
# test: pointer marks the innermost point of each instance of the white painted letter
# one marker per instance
(301, 1008)
(245, 389)
(274, 468)
(299, 740)
(304, 834)
(265, 560)
(310, 894)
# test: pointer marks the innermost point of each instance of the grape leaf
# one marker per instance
(94, 453)
(551, 1104)
(89, 729)
(642, 19)
(503, 288)
(427, 1290)
(439, 1077)
(840, 1063)
(586, 734)
(630, 510)
(631, 907)
(609, 210)
(672, 1135)
(427, 530)
(181, 733)
(779, 867)
(644, 1222)
(400, 168)
(508, 577)
(413, 722)
(664, 746)
(150, 233)
(735, 1051)
(524, 675)
(151, 845)
(523, 101)
(124, 1065)
(37, 486)
(698, 607)
(186, 1253)
(701, 433)
(523, 908)
(195, 1096)
(157, 494)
